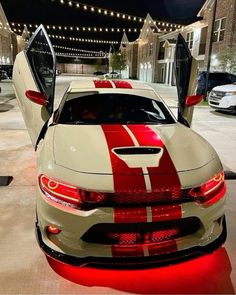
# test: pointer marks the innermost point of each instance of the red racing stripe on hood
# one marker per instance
(165, 175)
(130, 215)
(122, 84)
(126, 179)
(102, 84)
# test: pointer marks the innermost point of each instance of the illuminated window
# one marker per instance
(189, 40)
(150, 49)
(219, 30)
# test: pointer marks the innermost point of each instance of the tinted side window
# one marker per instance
(42, 62)
(218, 76)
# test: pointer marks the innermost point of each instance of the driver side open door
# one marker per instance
(186, 75)
(34, 83)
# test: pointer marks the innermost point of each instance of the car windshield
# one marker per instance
(107, 108)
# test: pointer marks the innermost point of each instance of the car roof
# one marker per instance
(83, 85)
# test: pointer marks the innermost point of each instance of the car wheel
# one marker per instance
(234, 111)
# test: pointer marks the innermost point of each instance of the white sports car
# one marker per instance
(119, 179)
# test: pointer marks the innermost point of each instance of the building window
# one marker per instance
(161, 54)
(189, 40)
(219, 30)
(203, 40)
(150, 51)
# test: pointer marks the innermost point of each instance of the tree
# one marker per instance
(118, 61)
(227, 59)
(98, 64)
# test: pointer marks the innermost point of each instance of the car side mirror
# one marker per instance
(193, 100)
(36, 97)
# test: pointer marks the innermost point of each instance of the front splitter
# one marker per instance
(132, 262)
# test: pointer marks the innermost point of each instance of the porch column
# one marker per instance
(171, 73)
(167, 72)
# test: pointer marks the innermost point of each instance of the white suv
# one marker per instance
(223, 97)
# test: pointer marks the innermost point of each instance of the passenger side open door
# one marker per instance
(34, 83)
(186, 75)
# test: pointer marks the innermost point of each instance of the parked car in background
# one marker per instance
(223, 97)
(98, 73)
(215, 79)
(9, 70)
(112, 75)
(3, 75)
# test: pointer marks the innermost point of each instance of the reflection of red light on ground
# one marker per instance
(207, 274)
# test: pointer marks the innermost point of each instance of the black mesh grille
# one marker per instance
(143, 199)
(163, 197)
(141, 233)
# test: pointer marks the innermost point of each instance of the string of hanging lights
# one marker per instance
(5, 27)
(83, 40)
(92, 29)
(107, 12)
(86, 56)
(79, 50)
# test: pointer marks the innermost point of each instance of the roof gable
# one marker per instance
(206, 5)
(124, 41)
(3, 21)
(148, 28)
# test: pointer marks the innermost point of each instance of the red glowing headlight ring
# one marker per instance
(66, 194)
(211, 191)
(59, 192)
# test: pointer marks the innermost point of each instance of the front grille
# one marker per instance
(214, 103)
(216, 96)
(130, 199)
(146, 198)
(134, 198)
(141, 233)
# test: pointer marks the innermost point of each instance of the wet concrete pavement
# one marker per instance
(23, 267)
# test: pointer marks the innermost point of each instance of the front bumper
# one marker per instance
(224, 103)
(69, 246)
(129, 262)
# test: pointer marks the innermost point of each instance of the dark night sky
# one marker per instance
(51, 12)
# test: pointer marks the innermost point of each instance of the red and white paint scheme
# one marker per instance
(119, 179)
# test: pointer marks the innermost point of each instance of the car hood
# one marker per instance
(225, 88)
(110, 149)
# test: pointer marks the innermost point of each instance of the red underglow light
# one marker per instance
(208, 274)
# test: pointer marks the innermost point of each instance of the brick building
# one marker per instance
(224, 34)
(131, 51)
(155, 56)
(6, 47)
(10, 43)
(147, 50)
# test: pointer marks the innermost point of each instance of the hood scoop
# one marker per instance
(139, 157)
(137, 151)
